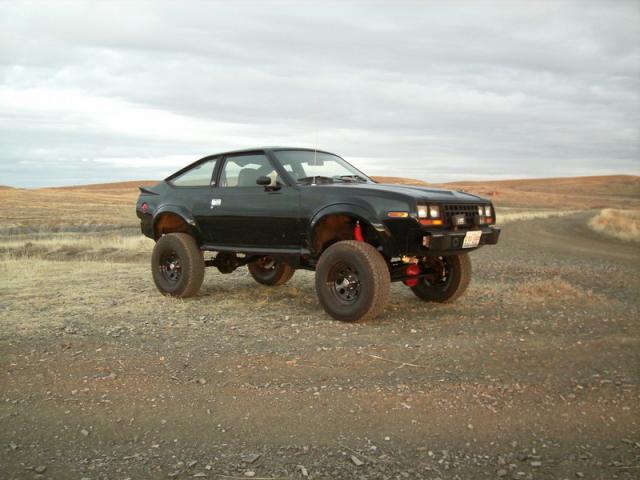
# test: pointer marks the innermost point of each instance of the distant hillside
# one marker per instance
(618, 184)
(566, 192)
(111, 204)
(573, 192)
(131, 185)
(400, 181)
(136, 183)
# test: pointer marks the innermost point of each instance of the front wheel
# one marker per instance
(352, 281)
(270, 271)
(447, 280)
(177, 265)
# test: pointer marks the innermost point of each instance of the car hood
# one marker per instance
(418, 193)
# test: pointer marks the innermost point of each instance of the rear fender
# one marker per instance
(181, 212)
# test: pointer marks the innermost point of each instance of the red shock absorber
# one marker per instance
(412, 270)
(357, 232)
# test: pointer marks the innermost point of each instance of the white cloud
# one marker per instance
(169, 161)
(429, 89)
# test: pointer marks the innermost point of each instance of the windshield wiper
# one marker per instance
(352, 178)
(319, 179)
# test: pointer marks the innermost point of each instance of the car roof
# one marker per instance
(268, 148)
(244, 150)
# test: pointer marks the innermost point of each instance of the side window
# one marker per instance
(198, 176)
(244, 170)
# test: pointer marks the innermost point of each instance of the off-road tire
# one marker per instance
(450, 291)
(278, 274)
(183, 248)
(373, 277)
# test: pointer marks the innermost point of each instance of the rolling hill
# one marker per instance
(111, 205)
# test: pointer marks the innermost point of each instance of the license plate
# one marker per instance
(472, 239)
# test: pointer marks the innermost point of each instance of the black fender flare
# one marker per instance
(364, 215)
(180, 211)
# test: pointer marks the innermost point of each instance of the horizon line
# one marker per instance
(509, 179)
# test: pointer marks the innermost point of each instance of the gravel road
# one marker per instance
(535, 373)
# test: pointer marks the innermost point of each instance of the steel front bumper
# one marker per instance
(449, 242)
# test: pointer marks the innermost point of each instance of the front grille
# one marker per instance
(470, 212)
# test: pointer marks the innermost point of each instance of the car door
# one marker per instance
(244, 214)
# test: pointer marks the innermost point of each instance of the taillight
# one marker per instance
(144, 207)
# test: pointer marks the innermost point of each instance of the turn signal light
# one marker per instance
(429, 221)
(398, 214)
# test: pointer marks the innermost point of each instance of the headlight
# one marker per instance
(487, 211)
(480, 210)
(434, 211)
(423, 211)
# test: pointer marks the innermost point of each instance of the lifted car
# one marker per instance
(279, 209)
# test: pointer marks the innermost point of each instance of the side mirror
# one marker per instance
(263, 181)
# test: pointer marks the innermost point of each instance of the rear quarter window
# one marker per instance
(199, 176)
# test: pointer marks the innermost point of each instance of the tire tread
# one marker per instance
(285, 273)
(193, 264)
(463, 279)
(381, 280)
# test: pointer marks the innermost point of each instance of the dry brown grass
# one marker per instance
(114, 247)
(616, 191)
(550, 289)
(508, 215)
(401, 181)
(71, 289)
(68, 209)
(621, 224)
(572, 193)
(91, 208)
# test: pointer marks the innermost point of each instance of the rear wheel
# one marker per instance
(270, 271)
(352, 281)
(448, 279)
(177, 265)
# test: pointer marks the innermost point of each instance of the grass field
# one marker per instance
(622, 224)
(533, 374)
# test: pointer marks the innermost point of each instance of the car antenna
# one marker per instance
(315, 156)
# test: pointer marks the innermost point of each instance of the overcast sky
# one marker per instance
(103, 91)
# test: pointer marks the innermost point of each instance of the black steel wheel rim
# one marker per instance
(439, 273)
(170, 266)
(267, 264)
(343, 282)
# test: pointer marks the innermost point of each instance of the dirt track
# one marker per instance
(535, 373)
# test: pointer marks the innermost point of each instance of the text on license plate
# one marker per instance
(472, 239)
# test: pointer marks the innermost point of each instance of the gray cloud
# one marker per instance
(98, 91)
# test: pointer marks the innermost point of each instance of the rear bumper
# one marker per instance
(449, 242)
(146, 223)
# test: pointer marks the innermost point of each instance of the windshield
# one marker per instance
(307, 166)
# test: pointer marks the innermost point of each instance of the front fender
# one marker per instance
(365, 215)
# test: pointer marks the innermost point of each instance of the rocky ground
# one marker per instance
(535, 373)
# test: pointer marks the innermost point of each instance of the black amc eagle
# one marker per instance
(280, 209)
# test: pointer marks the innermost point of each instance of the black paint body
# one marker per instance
(268, 220)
